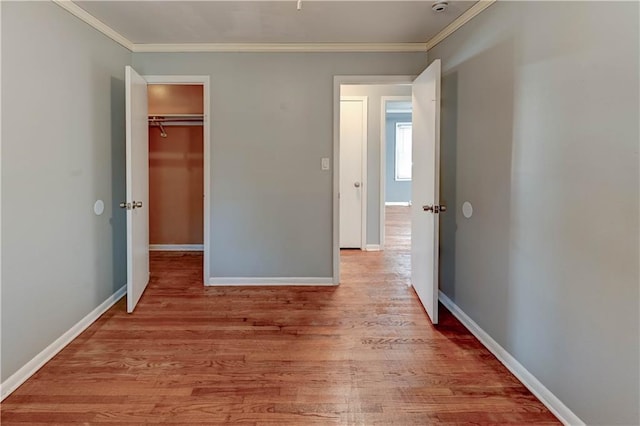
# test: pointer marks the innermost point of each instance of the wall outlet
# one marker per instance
(325, 163)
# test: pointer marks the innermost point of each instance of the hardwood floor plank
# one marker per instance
(362, 353)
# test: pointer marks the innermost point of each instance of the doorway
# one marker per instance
(181, 105)
(149, 134)
(176, 167)
(395, 161)
(362, 159)
(424, 134)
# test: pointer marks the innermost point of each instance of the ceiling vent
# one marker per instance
(440, 5)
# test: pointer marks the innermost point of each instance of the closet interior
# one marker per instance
(176, 163)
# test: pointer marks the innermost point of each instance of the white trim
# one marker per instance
(279, 47)
(270, 281)
(206, 126)
(364, 184)
(176, 247)
(397, 203)
(178, 79)
(557, 407)
(88, 18)
(383, 160)
(372, 247)
(468, 15)
(31, 367)
(339, 80)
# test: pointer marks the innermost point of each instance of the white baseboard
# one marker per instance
(397, 203)
(372, 247)
(275, 281)
(31, 367)
(176, 247)
(561, 411)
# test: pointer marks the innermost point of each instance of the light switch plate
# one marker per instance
(325, 163)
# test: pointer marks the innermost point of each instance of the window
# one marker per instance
(403, 151)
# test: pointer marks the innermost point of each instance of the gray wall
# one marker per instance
(540, 133)
(395, 190)
(375, 92)
(62, 148)
(272, 122)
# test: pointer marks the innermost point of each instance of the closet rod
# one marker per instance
(164, 119)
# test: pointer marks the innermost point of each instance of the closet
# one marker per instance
(176, 163)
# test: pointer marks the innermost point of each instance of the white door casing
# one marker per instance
(137, 175)
(425, 187)
(353, 141)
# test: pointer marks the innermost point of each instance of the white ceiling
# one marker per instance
(264, 21)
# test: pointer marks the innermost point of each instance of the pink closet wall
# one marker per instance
(176, 168)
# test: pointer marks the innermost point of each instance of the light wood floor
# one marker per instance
(361, 353)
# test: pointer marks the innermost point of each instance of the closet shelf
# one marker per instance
(164, 118)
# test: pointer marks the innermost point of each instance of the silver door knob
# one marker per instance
(357, 184)
(427, 208)
(137, 204)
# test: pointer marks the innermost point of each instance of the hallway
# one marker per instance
(360, 353)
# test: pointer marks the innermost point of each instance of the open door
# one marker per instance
(137, 170)
(425, 194)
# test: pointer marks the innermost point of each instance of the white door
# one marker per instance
(425, 197)
(353, 134)
(137, 170)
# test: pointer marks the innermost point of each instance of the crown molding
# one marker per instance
(281, 47)
(468, 15)
(85, 16)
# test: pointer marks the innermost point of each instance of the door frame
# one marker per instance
(364, 184)
(383, 159)
(204, 80)
(339, 80)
